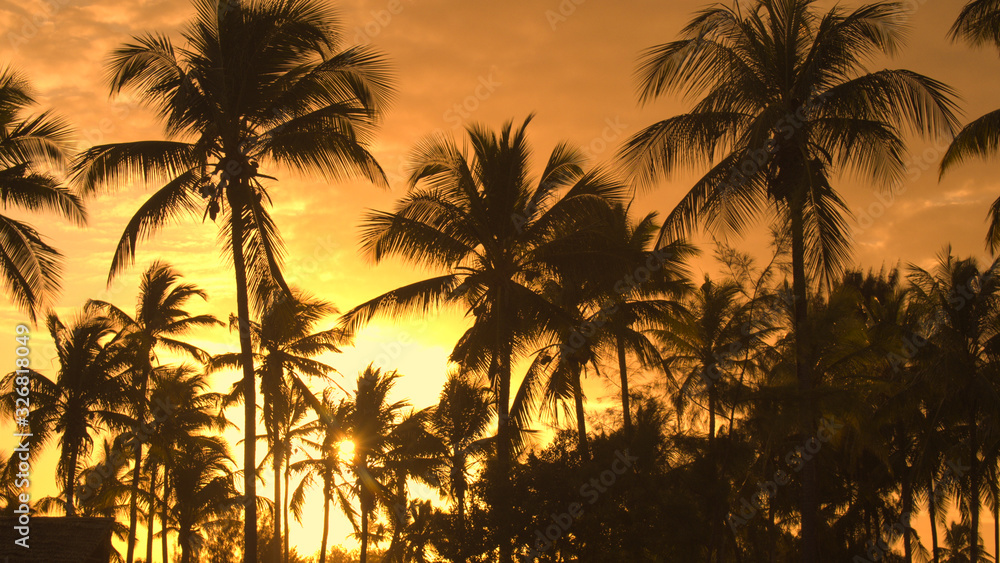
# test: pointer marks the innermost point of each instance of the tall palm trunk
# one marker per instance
(151, 513)
(460, 494)
(581, 419)
(623, 373)
(278, 503)
(715, 517)
(70, 487)
(932, 514)
(995, 491)
(249, 382)
(809, 502)
(327, 499)
(973, 483)
(365, 497)
(504, 457)
(165, 515)
(501, 362)
(907, 499)
(288, 471)
(133, 509)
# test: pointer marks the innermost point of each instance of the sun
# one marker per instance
(346, 448)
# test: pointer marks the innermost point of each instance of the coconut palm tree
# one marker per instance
(370, 426)
(496, 230)
(255, 84)
(413, 453)
(285, 344)
(326, 466)
(203, 485)
(160, 318)
(706, 345)
(977, 24)
(88, 396)
(460, 421)
(785, 105)
(961, 302)
(30, 268)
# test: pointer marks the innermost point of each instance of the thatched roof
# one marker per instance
(58, 540)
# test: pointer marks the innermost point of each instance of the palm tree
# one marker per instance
(371, 423)
(194, 411)
(707, 344)
(977, 24)
(204, 488)
(285, 345)
(160, 317)
(87, 397)
(29, 145)
(460, 420)
(961, 302)
(257, 83)
(628, 310)
(326, 466)
(786, 105)
(496, 231)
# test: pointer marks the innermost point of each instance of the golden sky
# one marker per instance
(568, 61)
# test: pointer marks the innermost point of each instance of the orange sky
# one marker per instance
(570, 62)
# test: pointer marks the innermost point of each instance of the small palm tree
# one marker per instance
(370, 427)
(257, 84)
(30, 269)
(785, 105)
(977, 24)
(88, 396)
(326, 465)
(203, 485)
(461, 421)
(160, 318)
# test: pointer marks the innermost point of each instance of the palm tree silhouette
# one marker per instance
(194, 413)
(460, 420)
(256, 83)
(88, 396)
(29, 267)
(285, 345)
(786, 105)
(159, 319)
(496, 230)
(977, 24)
(326, 466)
(372, 420)
(961, 302)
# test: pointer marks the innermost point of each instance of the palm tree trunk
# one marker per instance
(932, 514)
(165, 516)
(581, 419)
(995, 491)
(973, 484)
(133, 509)
(151, 513)
(364, 531)
(460, 494)
(70, 487)
(278, 503)
(288, 471)
(327, 499)
(809, 501)
(623, 373)
(504, 510)
(183, 541)
(713, 494)
(907, 494)
(249, 383)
